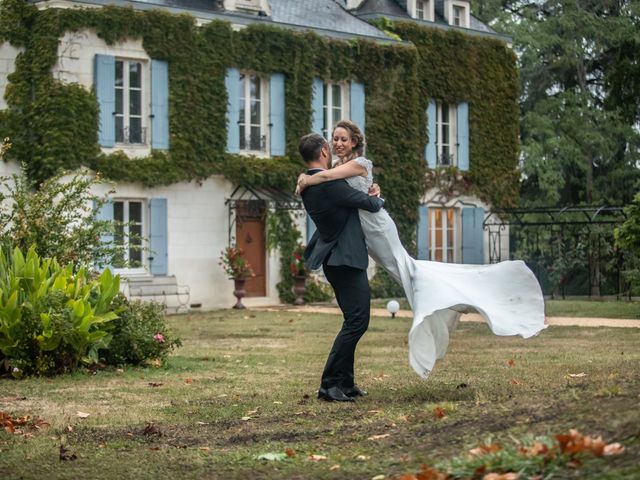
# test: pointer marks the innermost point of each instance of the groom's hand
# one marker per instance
(374, 190)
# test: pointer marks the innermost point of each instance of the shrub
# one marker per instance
(384, 286)
(139, 333)
(51, 318)
(59, 218)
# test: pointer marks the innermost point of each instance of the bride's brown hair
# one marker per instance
(356, 134)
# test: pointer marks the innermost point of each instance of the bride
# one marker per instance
(506, 294)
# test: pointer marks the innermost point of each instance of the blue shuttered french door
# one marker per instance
(317, 105)
(159, 104)
(463, 136)
(232, 82)
(276, 114)
(356, 104)
(472, 235)
(430, 151)
(158, 236)
(104, 214)
(104, 83)
(423, 233)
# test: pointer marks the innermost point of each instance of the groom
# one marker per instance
(338, 245)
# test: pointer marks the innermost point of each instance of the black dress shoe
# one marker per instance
(333, 394)
(354, 392)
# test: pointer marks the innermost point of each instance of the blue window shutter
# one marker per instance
(423, 233)
(105, 86)
(472, 235)
(463, 136)
(317, 104)
(158, 236)
(159, 104)
(104, 214)
(276, 114)
(311, 227)
(356, 96)
(430, 152)
(232, 82)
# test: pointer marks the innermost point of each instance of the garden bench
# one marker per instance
(162, 289)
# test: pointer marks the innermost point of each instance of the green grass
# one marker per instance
(244, 384)
(570, 308)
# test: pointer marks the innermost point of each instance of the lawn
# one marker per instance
(570, 308)
(244, 384)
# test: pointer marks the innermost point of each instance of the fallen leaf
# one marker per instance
(317, 458)
(205, 449)
(378, 477)
(378, 437)
(252, 412)
(202, 423)
(188, 380)
(511, 362)
(514, 381)
(334, 467)
(439, 412)
(577, 375)
(277, 403)
(613, 449)
(501, 476)
(484, 449)
(290, 452)
(151, 429)
(82, 414)
(363, 458)
(272, 457)
(245, 419)
(153, 384)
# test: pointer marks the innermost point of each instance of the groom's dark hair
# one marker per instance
(310, 146)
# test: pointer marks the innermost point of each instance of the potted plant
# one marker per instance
(300, 273)
(238, 269)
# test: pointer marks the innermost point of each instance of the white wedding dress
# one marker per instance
(506, 294)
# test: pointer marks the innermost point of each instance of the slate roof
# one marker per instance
(396, 10)
(326, 17)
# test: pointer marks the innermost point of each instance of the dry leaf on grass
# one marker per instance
(334, 467)
(511, 362)
(153, 384)
(514, 381)
(188, 380)
(577, 375)
(378, 437)
(501, 476)
(613, 449)
(290, 452)
(80, 414)
(439, 412)
(363, 458)
(317, 458)
(65, 455)
(484, 449)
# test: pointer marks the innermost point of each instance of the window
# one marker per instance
(130, 128)
(335, 106)
(252, 122)
(130, 231)
(443, 234)
(446, 137)
(458, 16)
(422, 9)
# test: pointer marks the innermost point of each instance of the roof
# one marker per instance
(323, 14)
(396, 10)
(325, 17)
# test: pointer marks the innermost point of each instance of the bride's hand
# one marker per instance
(302, 183)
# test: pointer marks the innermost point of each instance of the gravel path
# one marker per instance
(474, 317)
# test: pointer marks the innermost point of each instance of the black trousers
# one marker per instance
(354, 298)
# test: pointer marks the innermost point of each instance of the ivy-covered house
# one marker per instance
(194, 108)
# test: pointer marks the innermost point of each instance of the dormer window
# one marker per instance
(421, 9)
(457, 13)
(260, 7)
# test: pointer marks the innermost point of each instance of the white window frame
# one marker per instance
(144, 267)
(328, 108)
(452, 125)
(444, 231)
(465, 19)
(245, 107)
(144, 101)
(428, 9)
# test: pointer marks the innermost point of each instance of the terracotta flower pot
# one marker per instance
(299, 289)
(239, 292)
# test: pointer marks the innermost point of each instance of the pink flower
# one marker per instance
(158, 337)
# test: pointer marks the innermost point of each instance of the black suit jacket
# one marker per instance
(333, 207)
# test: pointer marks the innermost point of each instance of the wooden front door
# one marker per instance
(250, 236)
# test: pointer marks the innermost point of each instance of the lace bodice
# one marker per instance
(362, 183)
